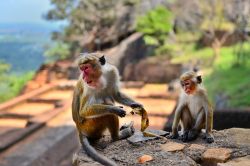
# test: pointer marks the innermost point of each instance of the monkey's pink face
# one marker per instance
(90, 74)
(188, 86)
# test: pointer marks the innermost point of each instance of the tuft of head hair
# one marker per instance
(191, 75)
(86, 57)
(188, 75)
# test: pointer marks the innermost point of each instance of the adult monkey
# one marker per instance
(93, 107)
(193, 109)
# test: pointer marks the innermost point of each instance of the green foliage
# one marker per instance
(170, 49)
(4, 68)
(23, 51)
(223, 77)
(155, 26)
(83, 17)
(57, 51)
(231, 81)
(214, 16)
(11, 84)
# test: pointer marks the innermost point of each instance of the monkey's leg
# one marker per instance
(199, 124)
(187, 122)
(113, 127)
(127, 131)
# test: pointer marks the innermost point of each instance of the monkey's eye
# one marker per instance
(94, 65)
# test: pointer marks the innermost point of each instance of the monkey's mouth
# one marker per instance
(89, 82)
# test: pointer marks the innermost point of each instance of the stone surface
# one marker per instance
(172, 147)
(197, 152)
(240, 136)
(130, 50)
(196, 147)
(138, 136)
(217, 154)
(242, 161)
(152, 70)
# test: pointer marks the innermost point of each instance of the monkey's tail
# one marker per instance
(94, 154)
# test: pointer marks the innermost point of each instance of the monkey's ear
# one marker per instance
(102, 60)
(199, 79)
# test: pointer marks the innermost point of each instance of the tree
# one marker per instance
(87, 22)
(58, 51)
(214, 20)
(156, 26)
(238, 12)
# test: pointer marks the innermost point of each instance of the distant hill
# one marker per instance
(23, 45)
(14, 28)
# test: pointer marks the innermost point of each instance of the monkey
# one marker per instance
(193, 109)
(93, 108)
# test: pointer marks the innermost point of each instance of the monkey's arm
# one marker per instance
(124, 99)
(97, 110)
(177, 117)
(76, 105)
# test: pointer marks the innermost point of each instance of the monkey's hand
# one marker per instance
(136, 105)
(209, 138)
(120, 112)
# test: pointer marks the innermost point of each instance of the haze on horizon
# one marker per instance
(24, 11)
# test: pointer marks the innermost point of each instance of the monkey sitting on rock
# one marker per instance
(93, 107)
(193, 109)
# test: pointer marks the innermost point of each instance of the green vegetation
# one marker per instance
(57, 51)
(24, 52)
(21, 53)
(11, 85)
(84, 18)
(156, 26)
(226, 69)
(224, 76)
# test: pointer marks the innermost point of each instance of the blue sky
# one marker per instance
(23, 11)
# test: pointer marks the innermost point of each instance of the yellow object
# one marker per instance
(144, 120)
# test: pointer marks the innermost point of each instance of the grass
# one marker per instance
(223, 76)
(11, 85)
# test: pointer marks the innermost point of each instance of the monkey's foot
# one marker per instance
(192, 135)
(173, 136)
(209, 138)
(127, 132)
(127, 125)
(184, 136)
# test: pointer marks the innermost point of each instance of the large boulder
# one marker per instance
(130, 50)
(152, 70)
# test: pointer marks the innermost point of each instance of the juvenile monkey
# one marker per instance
(193, 109)
(93, 107)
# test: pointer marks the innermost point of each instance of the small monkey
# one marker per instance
(93, 107)
(193, 109)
